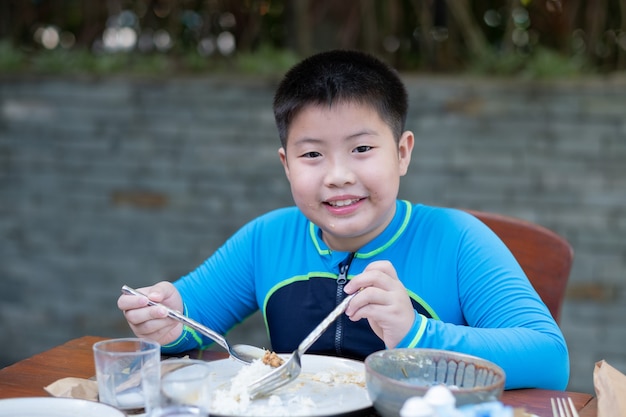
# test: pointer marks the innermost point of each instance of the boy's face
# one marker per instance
(344, 167)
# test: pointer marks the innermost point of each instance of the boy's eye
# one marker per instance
(362, 148)
(311, 154)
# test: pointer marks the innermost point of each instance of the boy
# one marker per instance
(430, 277)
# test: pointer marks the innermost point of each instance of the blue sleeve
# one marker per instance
(507, 323)
(220, 293)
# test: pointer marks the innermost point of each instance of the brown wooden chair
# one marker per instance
(545, 257)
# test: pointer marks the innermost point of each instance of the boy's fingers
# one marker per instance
(130, 302)
(159, 291)
(383, 279)
(366, 297)
(142, 313)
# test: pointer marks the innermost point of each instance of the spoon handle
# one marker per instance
(218, 338)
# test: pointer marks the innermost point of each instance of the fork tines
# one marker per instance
(562, 407)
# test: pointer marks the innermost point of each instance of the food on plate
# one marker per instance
(307, 396)
(272, 359)
(235, 399)
(329, 377)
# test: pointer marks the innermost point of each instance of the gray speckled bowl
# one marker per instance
(392, 376)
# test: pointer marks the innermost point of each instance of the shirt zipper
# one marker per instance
(342, 279)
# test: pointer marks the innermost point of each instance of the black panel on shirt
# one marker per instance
(294, 310)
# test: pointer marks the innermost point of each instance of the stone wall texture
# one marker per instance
(107, 182)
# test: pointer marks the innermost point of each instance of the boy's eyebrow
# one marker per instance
(355, 135)
(306, 140)
(364, 132)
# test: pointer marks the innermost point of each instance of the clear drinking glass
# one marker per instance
(128, 374)
(185, 387)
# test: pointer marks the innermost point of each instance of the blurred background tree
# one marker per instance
(533, 37)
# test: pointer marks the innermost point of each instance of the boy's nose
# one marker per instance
(339, 174)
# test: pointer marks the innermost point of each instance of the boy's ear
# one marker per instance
(283, 160)
(405, 148)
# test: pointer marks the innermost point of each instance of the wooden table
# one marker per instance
(28, 377)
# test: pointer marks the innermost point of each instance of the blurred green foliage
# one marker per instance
(543, 63)
(528, 38)
(11, 59)
(264, 61)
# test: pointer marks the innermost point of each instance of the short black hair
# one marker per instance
(341, 76)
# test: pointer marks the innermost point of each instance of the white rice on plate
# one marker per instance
(235, 400)
(299, 398)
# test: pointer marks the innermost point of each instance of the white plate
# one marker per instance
(55, 407)
(334, 385)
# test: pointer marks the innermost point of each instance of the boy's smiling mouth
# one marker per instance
(342, 203)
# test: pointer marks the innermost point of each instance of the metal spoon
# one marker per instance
(243, 353)
(290, 370)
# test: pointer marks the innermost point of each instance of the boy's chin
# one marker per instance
(343, 241)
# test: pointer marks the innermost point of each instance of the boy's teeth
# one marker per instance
(342, 203)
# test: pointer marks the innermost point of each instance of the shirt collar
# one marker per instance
(379, 244)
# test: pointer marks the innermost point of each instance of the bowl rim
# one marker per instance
(499, 384)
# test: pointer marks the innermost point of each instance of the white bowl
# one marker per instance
(392, 376)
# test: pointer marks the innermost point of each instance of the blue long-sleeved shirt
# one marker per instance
(469, 293)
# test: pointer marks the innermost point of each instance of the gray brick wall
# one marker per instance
(106, 182)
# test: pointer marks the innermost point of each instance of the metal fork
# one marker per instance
(290, 370)
(562, 407)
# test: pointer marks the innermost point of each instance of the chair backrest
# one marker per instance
(545, 257)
